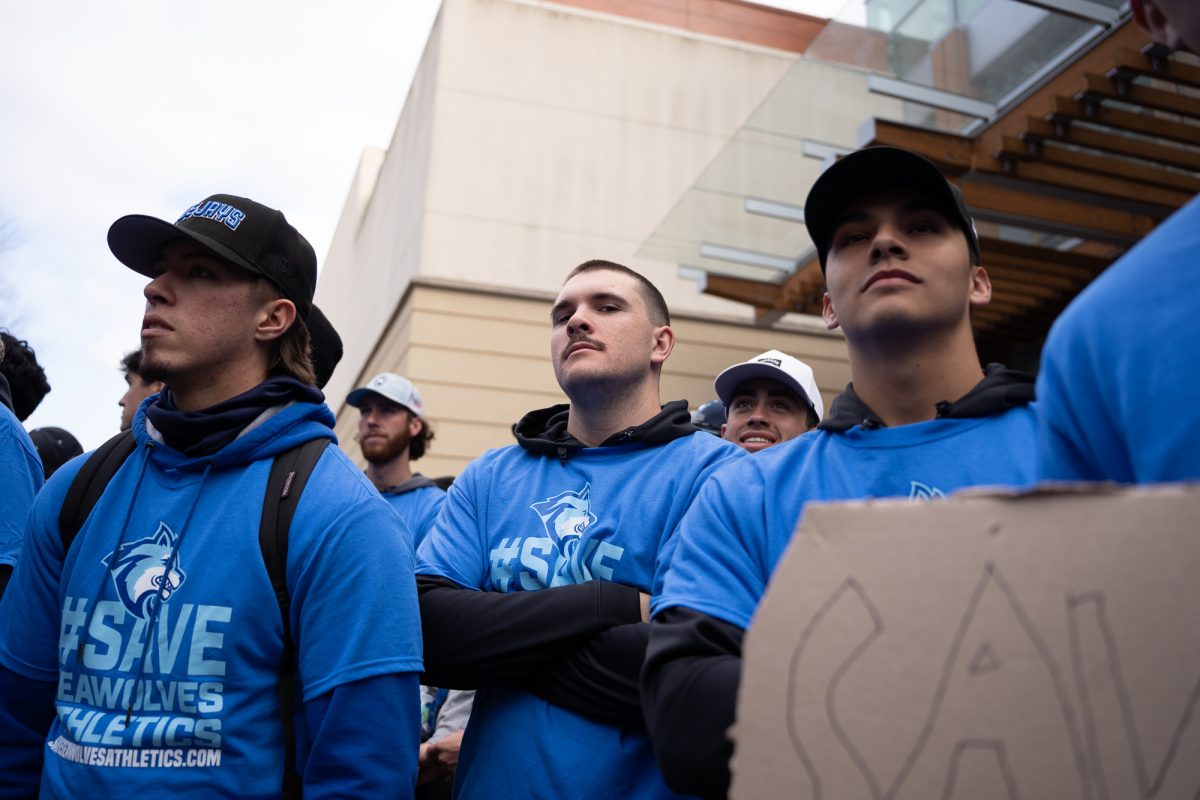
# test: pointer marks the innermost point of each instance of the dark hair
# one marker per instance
(26, 378)
(419, 443)
(132, 362)
(656, 306)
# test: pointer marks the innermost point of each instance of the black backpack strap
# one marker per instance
(289, 474)
(90, 482)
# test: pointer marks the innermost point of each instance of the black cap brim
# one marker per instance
(874, 170)
(137, 241)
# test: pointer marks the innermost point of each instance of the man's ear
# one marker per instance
(981, 287)
(724, 427)
(414, 424)
(827, 312)
(274, 319)
(664, 343)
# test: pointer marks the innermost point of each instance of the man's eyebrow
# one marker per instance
(557, 307)
(594, 299)
(608, 297)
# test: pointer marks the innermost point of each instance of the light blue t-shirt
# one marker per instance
(516, 521)
(735, 533)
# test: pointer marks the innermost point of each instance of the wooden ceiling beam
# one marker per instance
(1167, 69)
(1087, 265)
(1054, 283)
(1030, 150)
(1065, 131)
(1116, 87)
(1146, 124)
(1038, 212)
(743, 290)
(1095, 183)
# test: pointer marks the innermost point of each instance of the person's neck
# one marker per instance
(598, 414)
(391, 473)
(205, 392)
(903, 379)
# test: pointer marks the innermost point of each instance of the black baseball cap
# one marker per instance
(245, 233)
(873, 170)
(325, 348)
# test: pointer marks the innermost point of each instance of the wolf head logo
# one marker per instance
(921, 491)
(139, 570)
(565, 517)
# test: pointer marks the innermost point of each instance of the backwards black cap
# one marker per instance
(245, 233)
(873, 170)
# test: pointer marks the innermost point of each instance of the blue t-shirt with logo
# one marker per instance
(162, 631)
(515, 521)
(735, 533)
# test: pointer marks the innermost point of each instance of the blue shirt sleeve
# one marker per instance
(29, 611)
(26, 711)
(21, 476)
(454, 547)
(717, 566)
(342, 761)
(1066, 438)
(354, 608)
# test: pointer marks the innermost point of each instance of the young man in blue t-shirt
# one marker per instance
(1121, 367)
(920, 419)
(150, 656)
(535, 579)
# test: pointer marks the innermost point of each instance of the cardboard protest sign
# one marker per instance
(1034, 646)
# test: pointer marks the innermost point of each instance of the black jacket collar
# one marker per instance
(1001, 389)
(544, 432)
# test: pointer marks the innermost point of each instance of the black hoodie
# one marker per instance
(1001, 389)
(580, 647)
(693, 664)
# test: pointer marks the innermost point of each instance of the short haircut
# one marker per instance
(419, 443)
(26, 378)
(656, 306)
(132, 362)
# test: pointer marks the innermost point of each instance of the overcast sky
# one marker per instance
(146, 106)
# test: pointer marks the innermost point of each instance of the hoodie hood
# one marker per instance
(417, 481)
(544, 432)
(275, 430)
(1001, 389)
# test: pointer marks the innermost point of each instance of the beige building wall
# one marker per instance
(536, 136)
(481, 359)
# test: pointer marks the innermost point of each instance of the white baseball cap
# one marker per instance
(394, 387)
(778, 366)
